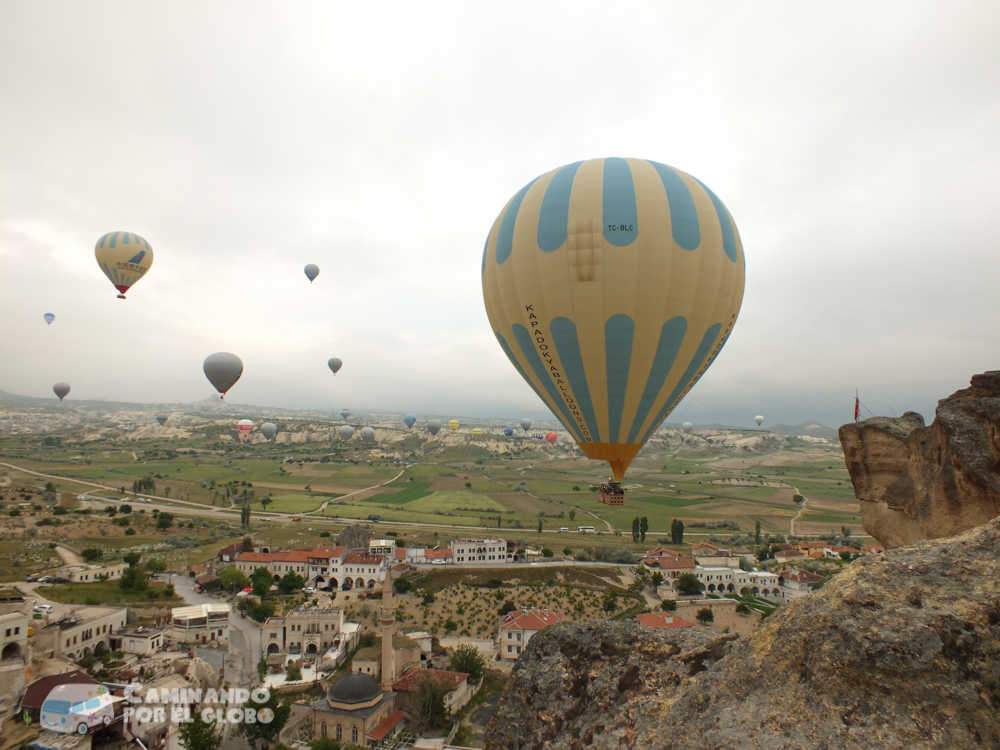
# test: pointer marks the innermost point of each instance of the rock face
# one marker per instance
(901, 650)
(354, 537)
(916, 482)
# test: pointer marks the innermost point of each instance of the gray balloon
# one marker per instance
(367, 433)
(312, 271)
(687, 427)
(223, 370)
(162, 420)
(346, 432)
(345, 413)
(61, 389)
(268, 430)
(434, 426)
(525, 424)
(335, 365)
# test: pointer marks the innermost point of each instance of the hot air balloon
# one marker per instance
(476, 431)
(345, 413)
(434, 426)
(49, 317)
(335, 365)
(687, 427)
(162, 420)
(525, 424)
(61, 390)
(551, 437)
(268, 430)
(759, 420)
(453, 425)
(223, 370)
(368, 434)
(124, 258)
(612, 285)
(409, 420)
(508, 431)
(346, 432)
(245, 426)
(311, 271)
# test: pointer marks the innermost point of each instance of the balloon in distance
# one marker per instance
(335, 364)
(476, 431)
(346, 432)
(453, 425)
(508, 431)
(345, 413)
(611, 285)
(245, 426)
(124, 257)
(311, 271)
(368, 434)
(687, 427)
(434, 426)
(525, 424)
(759, 420)
(409, 420)
(61, 390)
(223, 370)
(551, 438)
(162, 420)
(268, 430)
(49, 317)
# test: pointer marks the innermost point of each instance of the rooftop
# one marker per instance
(529, 619)
(412, 679)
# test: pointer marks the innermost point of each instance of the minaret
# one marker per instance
(387, 622)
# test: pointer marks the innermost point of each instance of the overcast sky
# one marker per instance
(857, 146)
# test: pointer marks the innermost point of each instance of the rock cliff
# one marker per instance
(926, 482)
(901, 650)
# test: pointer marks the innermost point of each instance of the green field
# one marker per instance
(407, 493)
(291, 504)
(451, 501)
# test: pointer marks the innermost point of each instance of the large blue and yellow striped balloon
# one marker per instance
(612, 284)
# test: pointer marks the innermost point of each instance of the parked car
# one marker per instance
(310, 590)
(30, 579)
(43, 608)
(297, 520)
(57, 579)
(44, 579)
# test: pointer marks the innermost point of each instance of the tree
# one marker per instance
(798, 499)
(764, 553)
(125, 509)
(92, 554)
(111, 510)
(293, 672)
(197, 734)
(668, 605)
(246, 545)
(164, 521)
(468, 659)
(261, 581)
(643, 528)
(132, 558)
(689, 585)
(507, 608)
(540, 522)
(756, 532)
(610, 602)
(676, 531)
(290, 582)
(427, 703)
(743, 609)
(845, 556)
(635, 530)
(546, 552)
(323, 743)
(155, 565)
(133, 579)
(245, 516)
(656, 579)
(572, 512)
(232, 578)
(259, 730)
(846, 531)
(705, 615)
(403, 584)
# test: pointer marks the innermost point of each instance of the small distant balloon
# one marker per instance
(312, 271)
(687, 427)
(124, 258)
(345, 413)
(223, 370)
(268, 430)
(453, 425)
(368, 434)
(335, 364)
(759, 420)
(245, 426)
(49, 317)
(509, 432)
(409, 420)
(551, 438)
(525, 424)
(434, 426)
(476, 431)
(162, 420)
(61, 390)
(346, 432)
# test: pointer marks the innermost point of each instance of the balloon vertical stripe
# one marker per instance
(684, 227)
(568, 348)
(725, 224)
(671, 338)
(524, 341)
(618, 335)
(553, 216)
(620, 219)
(505, 238)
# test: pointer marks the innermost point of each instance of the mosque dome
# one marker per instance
(356, 687)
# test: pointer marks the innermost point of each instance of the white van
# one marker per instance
(563, 529)
(77, 708)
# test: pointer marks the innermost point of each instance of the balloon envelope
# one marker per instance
(345, 413)
(162, 420)
(434, 426)
(345, 432)
(410, 419)
(223, 370)
(312, 271)
(687, 427)
(367, 433)
(268, 430)
(453, 425)
(612, 285)
(245, 426)
(551, 437)
(49, 317)
(508, 431)
(476, 431)
(124, 257)
(61, 390)
(525, 424)
(334, 364)
(759, 420)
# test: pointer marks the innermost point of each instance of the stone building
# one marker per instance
(492, 549)
(357, 711)
(517, 628)
(303, 632)
(14, 655)
(86, 631)
(142, 641)
(201, 624)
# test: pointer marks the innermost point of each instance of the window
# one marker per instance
(354, 735)
(510, 649)
(322, 729)
(7, 634)
(17, 631)
(340, 732)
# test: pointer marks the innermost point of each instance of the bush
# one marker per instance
(403, 584)
(668, 605)
(129, 531)
(92, 554)
(546, 552)
(468, 659)
(743, 609)
(705, 615)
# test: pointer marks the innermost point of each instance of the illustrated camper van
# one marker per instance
(77, 708)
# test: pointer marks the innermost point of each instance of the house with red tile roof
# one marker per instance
(660, 551)
(788, 554)
(871, 549)
(661, 620)
(430, 555)
(390, 726)
(517, 628)
(797, 583)
(456, 684)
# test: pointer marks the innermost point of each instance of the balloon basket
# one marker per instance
(611, 493)
(121, 296)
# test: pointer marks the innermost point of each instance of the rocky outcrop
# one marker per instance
(354, 537)
(926, 482)
(901, 650)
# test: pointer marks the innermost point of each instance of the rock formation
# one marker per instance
(354, 537)
(901, 650)
(916, 482)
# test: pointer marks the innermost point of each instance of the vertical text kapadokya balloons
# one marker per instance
(612, 285)
(124, 257)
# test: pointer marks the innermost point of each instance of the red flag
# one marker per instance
(857, 408)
